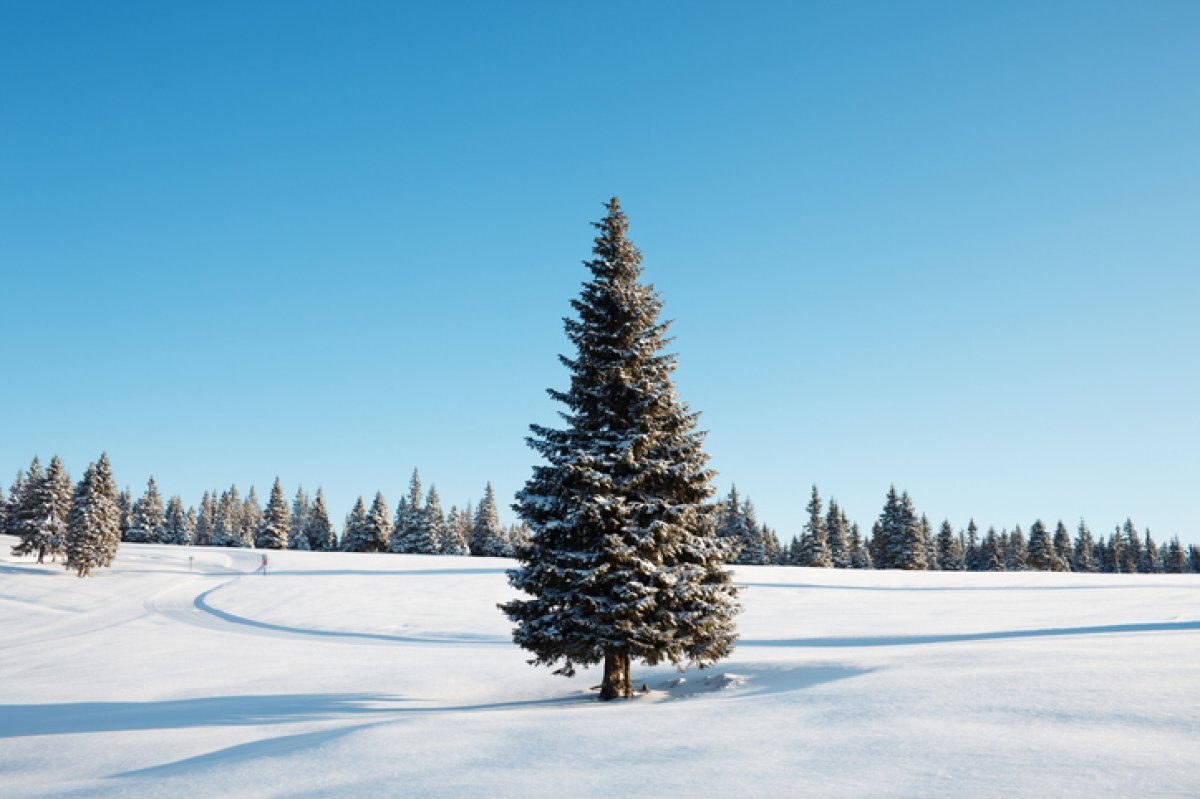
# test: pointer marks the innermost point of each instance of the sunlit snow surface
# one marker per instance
(390, 675)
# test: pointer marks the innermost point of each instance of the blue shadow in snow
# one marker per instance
(909, 640)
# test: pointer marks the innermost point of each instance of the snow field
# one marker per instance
(370, 675)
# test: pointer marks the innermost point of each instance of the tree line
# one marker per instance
(902, 539)
(42, 505)
(82, 525)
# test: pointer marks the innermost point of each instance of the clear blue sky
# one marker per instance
(953, 246)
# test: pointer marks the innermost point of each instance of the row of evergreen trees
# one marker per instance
(40, 505)
(901, 539)
(49, 518)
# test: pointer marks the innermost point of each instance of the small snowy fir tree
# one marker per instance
(487, 537)
(837, 531)
(1063, 552)
(991, 554)
(125, 503)
(354, 534)
(902, 542)
(94, 528)
(148, 518)
(175, 524)
(753, 552)
(1016, 554)
(623, 562)
(377, 528)
(1084, 559)
(860, 557)
(413, 535)
(1041, 555)
(301, 507)
(931, 553)
(1175, 558)
(1151, 562)
(458, 532)
(251, 520)
(44, 511)
(276, 526)
(319, 530)
(950, 549)
(205, 520)
(435, 522)
(814, 541)
(15, 493)
(971, 553)
(24, 517)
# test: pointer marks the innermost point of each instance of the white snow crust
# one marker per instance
(393, 675)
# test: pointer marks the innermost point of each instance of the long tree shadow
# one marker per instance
(201, 603)
(910, 640)
(20, 721)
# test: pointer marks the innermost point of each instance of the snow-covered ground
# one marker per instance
(386, 675)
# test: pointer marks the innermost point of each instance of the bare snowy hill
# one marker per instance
(389, 675)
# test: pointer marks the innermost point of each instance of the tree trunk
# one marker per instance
(618, 682)
(41, 553)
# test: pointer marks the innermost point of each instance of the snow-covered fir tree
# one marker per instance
(860, 557)
(1016, 553)
(1175, 557)
(435, 522)
(1041, 548)
(377, 527)
(354, 533)
(950, 549)
(487, 537)
(15, 494)
(837, 532)
(148, 517)
(94, 525)
(227, 530)
(205, 520)
(43, 511)
(814, 541)
(1151, 561)
(623, 562)
(753, 551)
(175, 528)
(1062, 547)
(901, 541)
(24, 515)
(930, 542)
(413, 534)
(457, 534)
(972, 558)
(1084, 559)
(276, 526)
(251, 520)
(125, 503)
(301, 505)
(991, 552)
(772, 550)
(319, 529)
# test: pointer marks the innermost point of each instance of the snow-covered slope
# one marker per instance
(390, 675)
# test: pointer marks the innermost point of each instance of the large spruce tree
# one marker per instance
(623, 561)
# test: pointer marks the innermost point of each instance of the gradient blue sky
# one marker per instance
(954, 246)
